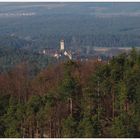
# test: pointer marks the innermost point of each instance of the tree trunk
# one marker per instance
(42, 132)
(71, 106)
(37, 130)
(98, 99)
(113, 103)
(59, 129)
(50, 129)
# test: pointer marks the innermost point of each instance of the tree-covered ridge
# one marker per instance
(80, 24)
(10, 56)
(73, 99)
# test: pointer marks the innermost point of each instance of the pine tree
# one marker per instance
(90, 127)
(69, 127)
(11, 122)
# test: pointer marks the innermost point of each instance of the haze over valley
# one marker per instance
(80, 24)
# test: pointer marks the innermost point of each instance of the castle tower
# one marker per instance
(62, 45)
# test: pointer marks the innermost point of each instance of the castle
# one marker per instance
(82, 54)
(62, 52)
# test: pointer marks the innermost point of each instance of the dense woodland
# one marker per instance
(79, 24)
(73, 99)
(10, 56)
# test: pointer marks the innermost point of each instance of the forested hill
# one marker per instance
(80, 24)
(73, 99)
(10, 56)
(14, 41)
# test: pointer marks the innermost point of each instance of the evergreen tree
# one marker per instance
(11, 122)
(90, 127)
(69, 127)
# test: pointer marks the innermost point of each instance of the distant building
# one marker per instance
(57, 55)
(62, 47)
(99, 59)
(44, 51)
(68, 54)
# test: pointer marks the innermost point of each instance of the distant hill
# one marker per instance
(80, 24)
(14, 41)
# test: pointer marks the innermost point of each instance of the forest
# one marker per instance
(79, 24)
(73, 99)
(10, 56)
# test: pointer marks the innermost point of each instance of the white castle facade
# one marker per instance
(58, 53)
